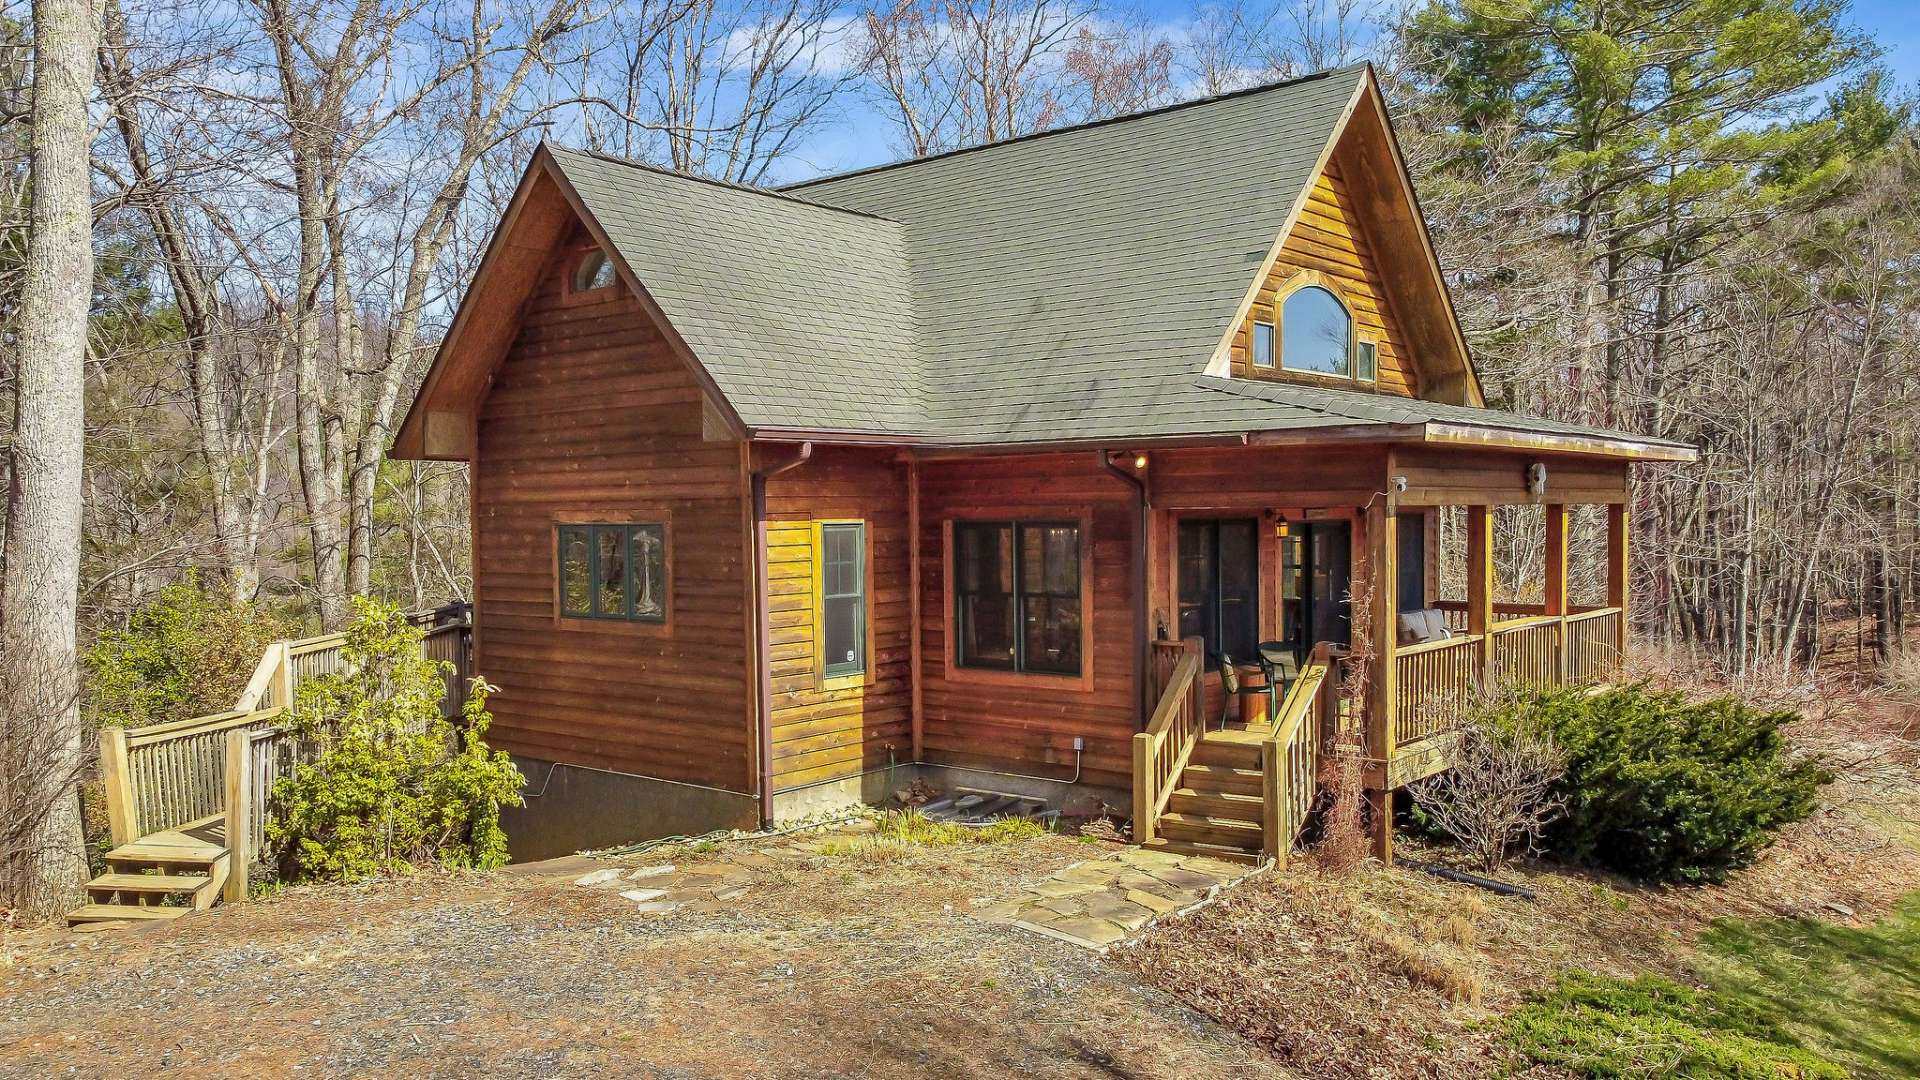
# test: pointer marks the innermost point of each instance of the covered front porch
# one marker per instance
(1378, 622)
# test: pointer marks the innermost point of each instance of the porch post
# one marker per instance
(1556, 598)
(1383, 556)
(1480, 586)
(1617, 574)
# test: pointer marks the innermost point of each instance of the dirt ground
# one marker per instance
(824, 967)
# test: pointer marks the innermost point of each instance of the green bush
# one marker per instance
(1651, 1027)
(186, 653)
(392, 785)
(1664, 788)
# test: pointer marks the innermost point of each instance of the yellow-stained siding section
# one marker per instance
(1328, 239)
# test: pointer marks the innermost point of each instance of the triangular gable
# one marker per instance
(1386, 270)
(544, 209)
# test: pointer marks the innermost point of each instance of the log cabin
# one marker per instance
(1103, 465)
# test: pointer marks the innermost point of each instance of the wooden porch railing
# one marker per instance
(1527, 652)
(165, 776)
(1592, 644)
(1436, 681)
(1290, 755)
(1161, 752)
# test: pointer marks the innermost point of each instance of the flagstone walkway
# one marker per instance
(1101, 902)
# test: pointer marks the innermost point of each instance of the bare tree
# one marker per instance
(952, 73)
(42, 755)
(1498, 795)
(724, 88)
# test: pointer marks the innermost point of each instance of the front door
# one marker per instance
(1316, 576)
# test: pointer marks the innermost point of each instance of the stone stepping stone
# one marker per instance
(650, 872)
(731, 894)
(656, 907)
(599, 877)
(1094, 933)
(1159, 905)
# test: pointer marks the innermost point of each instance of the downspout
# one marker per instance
(1142, 503)
(763, 648)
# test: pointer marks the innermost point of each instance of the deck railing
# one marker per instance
(1436, 681)
(165, 776)
(1161, 752)
(1290, 755)
(1526, 652)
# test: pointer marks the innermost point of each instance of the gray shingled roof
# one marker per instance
(1069, 286)
(796, 310)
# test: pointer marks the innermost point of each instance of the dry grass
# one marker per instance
(1393, 973)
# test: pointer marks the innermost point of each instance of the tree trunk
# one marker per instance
(39, 593)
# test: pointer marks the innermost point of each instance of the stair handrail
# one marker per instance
(1161, 752)
(1290, 754)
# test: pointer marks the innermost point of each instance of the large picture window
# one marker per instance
(1220, 585)
(841, 552)
(1017, 596)
(613, 571)
(1316, 333)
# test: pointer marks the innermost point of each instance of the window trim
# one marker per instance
(1273, 345)
(566, 621)
(817, 540)
(1080, 517)
(574, 261)
(1275, 316)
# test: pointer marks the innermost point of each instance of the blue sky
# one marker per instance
(862, 137)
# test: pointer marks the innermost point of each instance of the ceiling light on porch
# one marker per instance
(1139, 461)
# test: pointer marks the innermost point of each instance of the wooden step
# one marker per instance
(93, 913)
(1211, 851)
(1218, 804)
(1228, 754)
(1223, 778)
(1201, 829)
(148, 884)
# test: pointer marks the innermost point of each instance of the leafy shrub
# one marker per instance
(392, 785)
(1651, 1027)
(186, 653)
(1664, 788)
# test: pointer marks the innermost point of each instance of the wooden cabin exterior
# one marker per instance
(973, 467)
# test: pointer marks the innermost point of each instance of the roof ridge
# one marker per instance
(1247, 91)
(734, 185)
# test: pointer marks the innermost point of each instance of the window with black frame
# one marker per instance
(1219, 577)
(1016, 596)
(613, 571)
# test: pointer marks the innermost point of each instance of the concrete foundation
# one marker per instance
(876, 789)
(583, 809)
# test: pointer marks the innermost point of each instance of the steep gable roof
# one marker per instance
(1073, 286)
(1065, 275)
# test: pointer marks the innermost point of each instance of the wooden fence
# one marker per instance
(181, 773)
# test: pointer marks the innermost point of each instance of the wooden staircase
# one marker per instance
(160, 876)
(1219, 804)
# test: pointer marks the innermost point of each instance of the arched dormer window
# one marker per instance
(1316, 332)
(594, 271)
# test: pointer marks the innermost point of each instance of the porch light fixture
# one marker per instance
(1537, 478)
(1139, 461)
(1399, 485)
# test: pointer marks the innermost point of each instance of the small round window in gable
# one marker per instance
(594, 272)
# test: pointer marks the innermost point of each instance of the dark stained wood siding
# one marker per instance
(822, 732)
(591, 414)
(1027, 723)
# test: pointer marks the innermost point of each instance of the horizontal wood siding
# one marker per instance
(1027, 723)
(1330, 239)
(819, 733)
(590, 414)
